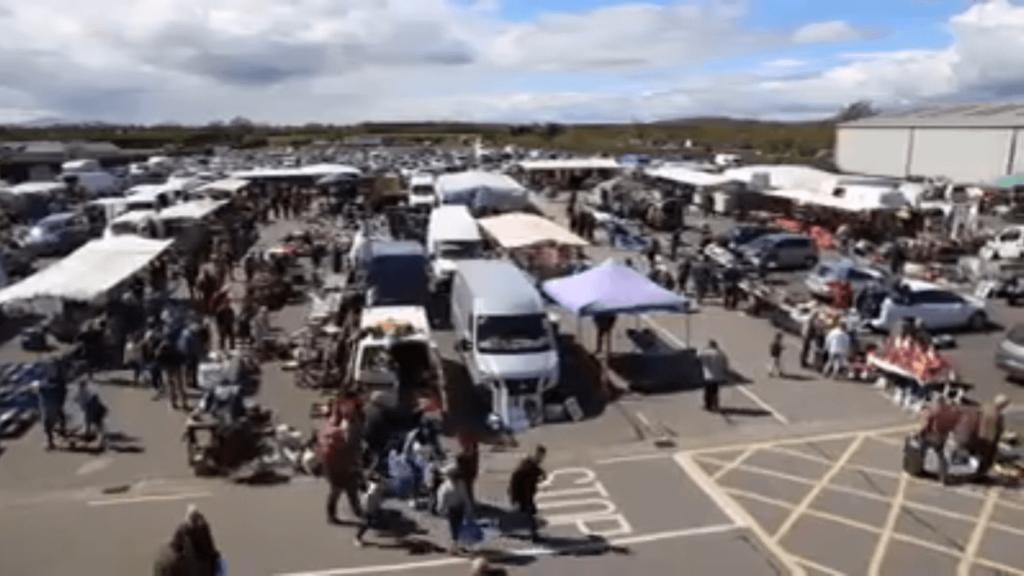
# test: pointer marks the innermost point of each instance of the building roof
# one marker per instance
(1006, 115)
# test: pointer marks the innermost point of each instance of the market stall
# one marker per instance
(611, 289)
(541, 246)
(916, 371)
(88, 273)
(482, 192)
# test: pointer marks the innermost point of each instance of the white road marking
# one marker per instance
(882, 547)
(527, 553)
(742, 388)
(145, 499)
(93, 466)
(633, 458)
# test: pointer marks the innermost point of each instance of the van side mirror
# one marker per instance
(462, 345)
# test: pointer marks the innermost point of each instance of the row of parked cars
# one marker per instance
(883, 302)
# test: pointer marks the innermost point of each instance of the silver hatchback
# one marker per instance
(781, 251)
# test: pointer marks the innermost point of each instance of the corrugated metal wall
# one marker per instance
(965, 155)
(1018, 158)
(876, 151)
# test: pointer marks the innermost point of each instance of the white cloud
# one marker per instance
(825, 32)
(329, 61)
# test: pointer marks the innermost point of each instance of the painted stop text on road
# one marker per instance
(575, 497)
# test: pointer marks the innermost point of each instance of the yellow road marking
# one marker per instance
(738, 513)
(875, 568)
(738, 461)
(802, 439)
(964, 569)
(818, 487)
(820, 568)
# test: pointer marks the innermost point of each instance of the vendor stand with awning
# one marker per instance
(569, 173)
(713, 192)
(224, 189)
(540, 245)
(482, 192)
(612, 289)
(89, 273)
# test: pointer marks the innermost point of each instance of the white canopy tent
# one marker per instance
(89, 272)
(695, 178)
(854, 199)
(196, 209)
(571, 164)
(481, 190)
(312, 171)
(512, 231)
(225, 186)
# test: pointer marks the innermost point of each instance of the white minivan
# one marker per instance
(452, 235)
(505, 337)
(422, 193)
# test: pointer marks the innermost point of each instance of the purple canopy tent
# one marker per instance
(611, 288)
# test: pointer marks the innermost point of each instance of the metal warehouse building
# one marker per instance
(966, 143)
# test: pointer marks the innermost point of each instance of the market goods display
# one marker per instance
(908, 356)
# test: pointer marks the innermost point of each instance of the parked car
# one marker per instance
(1010, 353)
(820, 278)
(746, 233)
(781, 251)
(57, 234)
(937, 307)
(1008, 244)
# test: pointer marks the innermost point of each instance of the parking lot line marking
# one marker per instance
(809, 512)
(738, 461)
(633, 458)
(971, 552)
(882, 547)
(144, 499)
(818, 567)
(740, 387)
(802, 439)
(526, 553)
(887, 441)
(761, 471)
(740, 517)
(818, 487)
(999, 568)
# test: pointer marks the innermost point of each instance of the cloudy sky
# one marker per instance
(298, 61)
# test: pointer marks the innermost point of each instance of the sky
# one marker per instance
(349, 61)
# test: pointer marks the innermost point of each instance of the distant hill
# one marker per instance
(44, 122)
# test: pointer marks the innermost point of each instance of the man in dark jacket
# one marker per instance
(522, 488)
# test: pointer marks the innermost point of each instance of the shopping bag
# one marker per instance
(471, 533)
(402, 478)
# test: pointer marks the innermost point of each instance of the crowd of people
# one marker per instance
(370, 453)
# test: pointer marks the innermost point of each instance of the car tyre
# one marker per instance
(810, 262)
(978, 322)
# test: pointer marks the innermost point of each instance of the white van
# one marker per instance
(504, 334)
(1008, 244)
(421, 190)
(452, 235)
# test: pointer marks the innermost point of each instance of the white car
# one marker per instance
(939, 308)
(1008, 244)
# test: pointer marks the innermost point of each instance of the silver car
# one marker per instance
(820, 278)
(781, 251)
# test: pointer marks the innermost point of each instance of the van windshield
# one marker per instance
(458, 250)
(422, 190)
(512, 334)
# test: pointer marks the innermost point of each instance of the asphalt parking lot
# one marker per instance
(839, 504)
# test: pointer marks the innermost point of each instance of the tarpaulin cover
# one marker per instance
(612, 288)
(88, 272)
(520, 230)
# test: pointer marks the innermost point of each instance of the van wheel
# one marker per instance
(978, 321)
(810, 261)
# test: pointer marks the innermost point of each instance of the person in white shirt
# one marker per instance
(837, 344)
